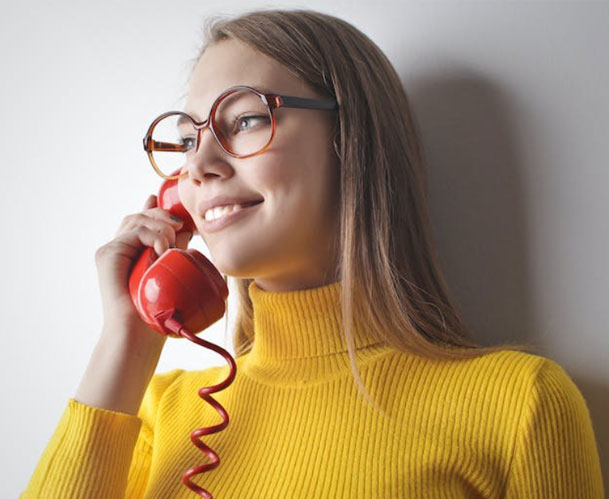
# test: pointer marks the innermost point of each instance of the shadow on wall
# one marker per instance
(478, 206)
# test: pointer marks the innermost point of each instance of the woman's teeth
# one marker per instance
(220, 211)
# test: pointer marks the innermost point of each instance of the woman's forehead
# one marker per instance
(232, 62)
(235, 61)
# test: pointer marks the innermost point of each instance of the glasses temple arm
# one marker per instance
(303, 102)
(153, 145)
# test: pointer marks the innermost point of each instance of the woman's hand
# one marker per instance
(153, 227)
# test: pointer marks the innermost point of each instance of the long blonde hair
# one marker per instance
(388, 264)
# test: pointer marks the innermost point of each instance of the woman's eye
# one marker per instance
(189, 142)
(249, 119)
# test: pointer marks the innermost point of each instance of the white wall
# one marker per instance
(512, 103)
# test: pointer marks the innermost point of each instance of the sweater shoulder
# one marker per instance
(498, 367)
(506, 380)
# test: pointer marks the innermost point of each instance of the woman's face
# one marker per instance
(288, 241)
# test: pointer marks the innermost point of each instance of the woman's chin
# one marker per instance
(227, 267)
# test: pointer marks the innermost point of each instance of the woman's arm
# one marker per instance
(120, 369)
(103, 443)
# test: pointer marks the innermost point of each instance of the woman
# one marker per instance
(394, 401)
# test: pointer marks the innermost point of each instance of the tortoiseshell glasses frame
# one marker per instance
(272, 102)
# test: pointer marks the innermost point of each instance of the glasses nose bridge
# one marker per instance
(200, 127)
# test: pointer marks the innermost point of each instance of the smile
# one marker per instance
(226, 215)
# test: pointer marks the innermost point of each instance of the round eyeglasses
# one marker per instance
(241, 120)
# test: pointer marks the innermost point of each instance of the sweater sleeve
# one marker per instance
(98, 453)
(555, 453)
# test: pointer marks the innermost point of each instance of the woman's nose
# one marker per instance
(209, 159)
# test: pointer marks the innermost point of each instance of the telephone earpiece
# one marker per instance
(169, 199)
(182, 284)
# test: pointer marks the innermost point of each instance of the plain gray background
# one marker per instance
(512, 103)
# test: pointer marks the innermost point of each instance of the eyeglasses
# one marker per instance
(173, 137)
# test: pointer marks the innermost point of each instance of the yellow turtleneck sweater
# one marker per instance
(509, 424)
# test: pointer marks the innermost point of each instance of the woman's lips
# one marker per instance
(223, 221)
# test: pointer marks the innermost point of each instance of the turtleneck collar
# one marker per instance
(301, 324)
(299, 338)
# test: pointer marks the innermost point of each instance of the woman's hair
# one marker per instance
(388, 264)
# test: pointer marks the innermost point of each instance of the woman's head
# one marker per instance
(288, 241)
(386, 260)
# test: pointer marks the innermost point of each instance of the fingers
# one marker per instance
(149, 237)
(154, 226)
(166, 229)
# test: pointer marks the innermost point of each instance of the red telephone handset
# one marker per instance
(178, 294)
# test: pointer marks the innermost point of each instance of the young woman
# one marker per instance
(356, 376)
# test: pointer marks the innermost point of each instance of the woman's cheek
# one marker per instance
(186, 198)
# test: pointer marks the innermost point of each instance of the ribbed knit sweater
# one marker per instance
(508, 424)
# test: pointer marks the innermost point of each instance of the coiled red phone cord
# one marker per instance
(175, 326)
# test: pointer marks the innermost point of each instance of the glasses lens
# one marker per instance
(174, 141)
(243, 122)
